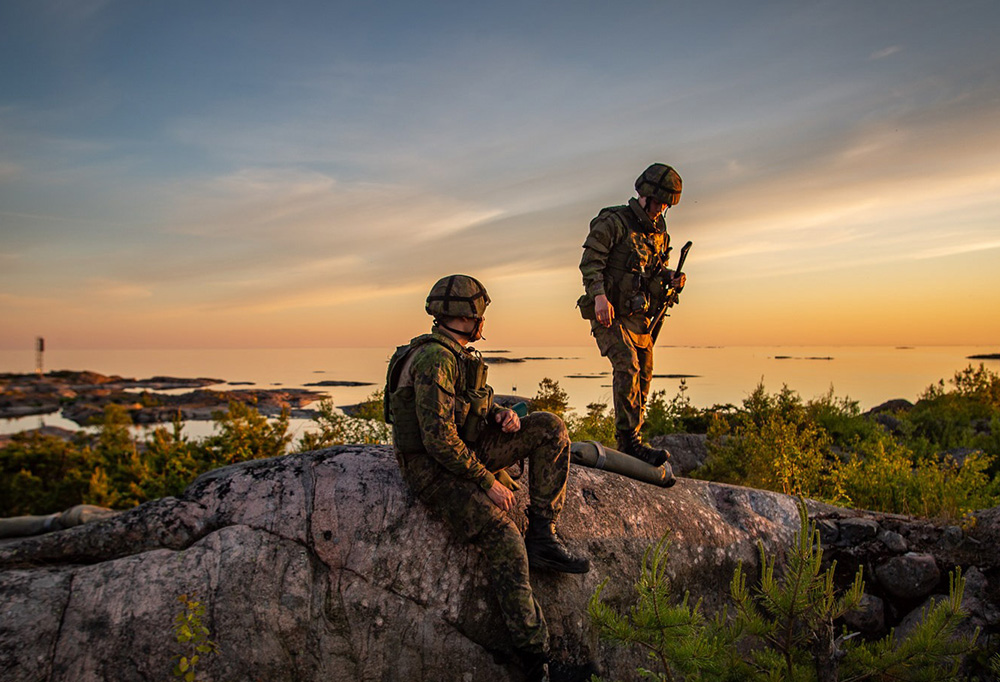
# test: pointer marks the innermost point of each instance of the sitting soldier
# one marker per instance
(450, 439)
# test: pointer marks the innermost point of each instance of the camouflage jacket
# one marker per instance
(622, 243)
(437, 377)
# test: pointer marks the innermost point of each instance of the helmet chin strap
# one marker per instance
(475, 335)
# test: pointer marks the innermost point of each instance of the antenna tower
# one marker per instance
(39, 355)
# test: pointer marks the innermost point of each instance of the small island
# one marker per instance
(81, 397)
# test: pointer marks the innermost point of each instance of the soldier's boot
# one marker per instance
(547, 551)
(630, 442)
(535, 666)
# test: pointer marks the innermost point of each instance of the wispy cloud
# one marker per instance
(885, 52)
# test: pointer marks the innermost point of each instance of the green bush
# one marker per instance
(826, 449)
(771, 444)
(781, 629)
(42, 474)
(551, 398)
(597, 424)
(336, 428)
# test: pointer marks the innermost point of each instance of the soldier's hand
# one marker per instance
(509, 421)
(501, 496)
(679, 281)
(604, 310)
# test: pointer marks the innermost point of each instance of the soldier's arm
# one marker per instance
(434, 376)
(602, 237)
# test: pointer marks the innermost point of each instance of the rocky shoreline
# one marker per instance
(81, 397)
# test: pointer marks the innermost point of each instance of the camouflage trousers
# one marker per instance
(473, 518)
(631, 359)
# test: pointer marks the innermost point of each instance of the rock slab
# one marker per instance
(321, 566)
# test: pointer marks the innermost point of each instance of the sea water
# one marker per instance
(711, 375)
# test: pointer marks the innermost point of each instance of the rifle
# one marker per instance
(671, 298)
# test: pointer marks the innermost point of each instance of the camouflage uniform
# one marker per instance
(623, 241)
(451, 478)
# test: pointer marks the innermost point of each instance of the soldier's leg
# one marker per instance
(645, 378)
(543, 440)
(617, 348)
(475, 519)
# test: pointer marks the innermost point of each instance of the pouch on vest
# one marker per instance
(406, 430)
(586, 305)
(480, 401)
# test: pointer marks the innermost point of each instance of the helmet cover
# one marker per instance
(661, 183)
(457, 296)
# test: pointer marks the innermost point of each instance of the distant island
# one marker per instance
(794, 357)
(985, 356)
(82, 396)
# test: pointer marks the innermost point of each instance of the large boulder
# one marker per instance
(321, 566)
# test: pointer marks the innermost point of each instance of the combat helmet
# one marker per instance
(660, 183)
(457, 296)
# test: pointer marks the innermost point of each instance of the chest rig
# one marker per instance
(473, 396)
(632, 276)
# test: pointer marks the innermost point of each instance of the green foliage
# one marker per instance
(551, 398)
(781, 629)
(771, 444)
(789, 615)
(39, 472)
(598, 424)
(192, 635)
(966, 417)
(827, 449)
(676, 415)
(244, 433)
(677, 637)
(44, 474)
(336, 428)
(885, 477)
(372, 407)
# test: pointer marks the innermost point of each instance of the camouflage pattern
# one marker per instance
(451, 479)
(457, 296)
(623, 242)
(661, 183)
(631, 357)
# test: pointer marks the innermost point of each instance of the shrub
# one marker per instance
(336, 428)
(597, 424)
(770, 444)
(192, 635)
(781, 629)
(42, 474)
(551, 398)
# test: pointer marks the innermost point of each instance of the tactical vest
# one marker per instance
(473, 397)
(630, 276)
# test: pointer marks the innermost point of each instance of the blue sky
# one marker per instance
(192, 174)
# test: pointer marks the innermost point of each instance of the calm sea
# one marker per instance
(716, 375)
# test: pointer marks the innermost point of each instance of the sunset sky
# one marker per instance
(194, 174)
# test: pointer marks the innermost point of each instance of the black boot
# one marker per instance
(546, 549)
(630, 442)
(535, 666)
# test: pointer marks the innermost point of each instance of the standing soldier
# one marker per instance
(450, 440)
(627, 284)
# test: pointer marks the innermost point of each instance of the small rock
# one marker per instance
(910, 576)
(688, 451)
(869, 617)
(893, 541)
(951, 537)
(829, 531)
(856, 531)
